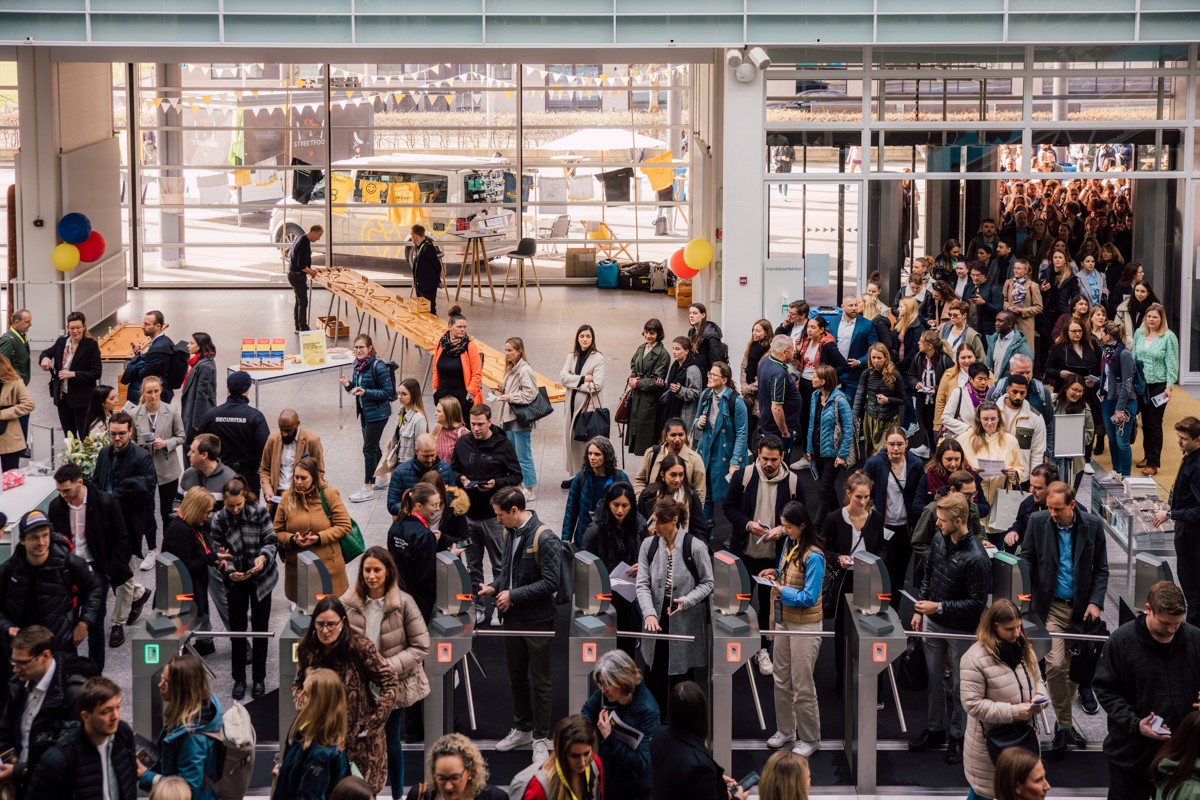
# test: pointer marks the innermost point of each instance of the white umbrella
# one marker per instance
(603, 139)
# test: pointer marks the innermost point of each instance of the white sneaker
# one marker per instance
(541, 751)
(803, 463)
(148, 562)
(530, 496)
(361, 496)
(1088, 469)
(514, 740)
(496, 622)
(762, 660)
(380, 484)
(921, 452)
(780, 739)
(806, 749)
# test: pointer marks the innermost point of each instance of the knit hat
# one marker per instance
(238, 382)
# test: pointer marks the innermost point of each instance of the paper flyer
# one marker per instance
(622, 584)
(275, 360)
(312, 348)
(264, 352)
(249, 354)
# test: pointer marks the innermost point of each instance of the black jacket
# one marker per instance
(684, 768)
(959, 576)
(58, 594)
(199, 395)
(740, 501)
(243, 432)
(58, 708)
(129, 476)
(840, 536)
(104, 529)
(614, 545)
(697, 523)
(413, 548)
(1028, 507)
(879, 469)
(71, 769)
(426, 268)
(1089, 555)
(1185, 496)
(494, 458)
(709, 349)
(983, 317)
(530, 586)
(197, 554)
(941, 363)
(301, 256)
(86, 366)
(156, 360)
(1136, 676)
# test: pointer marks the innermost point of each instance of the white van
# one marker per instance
(469, 194)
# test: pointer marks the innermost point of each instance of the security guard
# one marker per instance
(427, 269)
(242, 429)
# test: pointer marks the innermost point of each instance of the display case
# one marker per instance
(1129, 519)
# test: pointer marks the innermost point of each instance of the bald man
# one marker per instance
(284, 448)
(408, 474)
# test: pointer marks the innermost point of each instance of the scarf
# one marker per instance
(360, 364)
(936, 478)
(1019, 290)
(1137, 310)
(451, 347)
(1011, 653)
(191, 366)
(976, 397)
(1107, 361)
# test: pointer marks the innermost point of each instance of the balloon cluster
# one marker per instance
(79, 243)
(689, 260)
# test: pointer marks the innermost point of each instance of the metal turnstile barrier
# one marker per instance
(735, 639)
(163, 634)
(1010, 580)
(313, 582)
(1147, 571)
(593, 626)
(451, 630)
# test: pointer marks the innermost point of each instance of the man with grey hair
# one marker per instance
(621, 693)
(778, 395)
(1039, 398)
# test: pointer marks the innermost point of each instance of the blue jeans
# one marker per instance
(910, 411)
(521, 443)
(1118, 437)
(97, 641)
(395, 752)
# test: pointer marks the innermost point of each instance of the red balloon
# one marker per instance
(92, 248)
(680, 267)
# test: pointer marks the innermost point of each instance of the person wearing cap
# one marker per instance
(38, 586)
(242, 429)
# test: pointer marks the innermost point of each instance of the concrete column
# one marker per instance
(170, 151)
(739, 187)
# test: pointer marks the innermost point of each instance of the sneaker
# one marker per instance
(541, 751)
(762, 660)
(806, 749)
(514, 740)
(1087, 698)
(116, 636)
(480, 615)
(803, 463)
(1088, 469)
(361, 496)
(148, 562)
(911, 430)
(780, 739)
(530, 496)
(135, 608)
(379, 485)
(921, 452)
(496, 622)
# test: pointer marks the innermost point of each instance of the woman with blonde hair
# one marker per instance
(1023, 297)
(879, 314)
(455, 770)
(190, 712)
(520, 388)
(987, 440)
(15, 402)
(999, 680)
(312, 517)
(172, 788)
(880, 396)
(573, 771)
(189, 538)
(314, 759)
(448, 415)
(955, 377)
(925, 375)
(1158, 349)
(411, 423)
(163, 421)
(786, 776)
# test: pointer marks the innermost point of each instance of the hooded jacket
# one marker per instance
(188, 753)
(59, 594)
(483, 460)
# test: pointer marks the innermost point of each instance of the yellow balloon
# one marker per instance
(65, 257)
(697, 254)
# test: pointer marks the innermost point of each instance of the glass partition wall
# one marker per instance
(919, 148)
(234, 161)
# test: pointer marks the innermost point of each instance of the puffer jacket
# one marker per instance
(380, 389)
(188, 753)
(872, 384)
(990, 691)
(403, 640)
(959, 576)
(836, 430)
(71, 769)
(587, 490)
(57, 585)
(408, 474)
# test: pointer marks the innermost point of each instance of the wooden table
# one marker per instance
(473, 257)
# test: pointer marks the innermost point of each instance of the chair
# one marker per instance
(526, 249)
(558, 229)
(610, 249)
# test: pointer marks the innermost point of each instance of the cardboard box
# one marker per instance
(683, 294)
(581, 262)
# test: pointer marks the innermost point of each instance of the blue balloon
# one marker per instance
(74, 228)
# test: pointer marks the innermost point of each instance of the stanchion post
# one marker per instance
(160, 637)
(313, 582)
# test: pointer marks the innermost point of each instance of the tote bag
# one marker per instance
(592, 421)
(352, 543)
(1005, 508)
(529, 413)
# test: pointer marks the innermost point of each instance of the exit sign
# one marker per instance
(151, 654)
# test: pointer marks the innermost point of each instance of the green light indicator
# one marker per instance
(151, 654)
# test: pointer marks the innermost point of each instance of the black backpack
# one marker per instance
(179, 366)
(687, 555)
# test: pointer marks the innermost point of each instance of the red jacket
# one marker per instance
(472, 364)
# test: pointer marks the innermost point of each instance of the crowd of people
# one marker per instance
(974, 358)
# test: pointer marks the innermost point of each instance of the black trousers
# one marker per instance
(299, 282)
(924, 404)
(431, 297)
(71, 419)
(1152, 425)
(1187, 556)
(242, 601)
(10, 460)
(1125, 784)
(806, 409)
(166, 496)
(899, 552)
(371, 451)
(826, 501)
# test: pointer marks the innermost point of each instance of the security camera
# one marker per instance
(733, 58)
(759, 57)
(745, 72)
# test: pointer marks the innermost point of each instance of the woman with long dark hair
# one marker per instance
(946, 459)
(800, 572)
(684, 768)
(830, 434)
(615, 534)
(672, 482)
(103, 403)
(1176, 768)
(1132, 274)
(682, 384)
(1132, 311)
(647, 369)
(757, 349)
(816, 347)
(199, 392)
(379, 609)
(312, 516)
(373, 391)
(371, 684)
(1118, 403)
(1072, 399)
(705, 337)
(588, 486)
(582, 375)
(925, 376)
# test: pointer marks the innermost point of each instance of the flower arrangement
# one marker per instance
(83, 453)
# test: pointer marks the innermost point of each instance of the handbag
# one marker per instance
(624, 407)
(529, 413)
(910, 667)
(1012, 734)
(831, 591)
(1005, 508)
(589, 424)
(352, 543)
(855, 455)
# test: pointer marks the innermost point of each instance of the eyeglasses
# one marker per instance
(21, 662)
(118, 434)
(328, 626)
(443, 779)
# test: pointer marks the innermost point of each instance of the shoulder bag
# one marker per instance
(1012, 734)
(624, 407)
(352, 543)
(529, 413)
(833, 580)
(591, 421)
